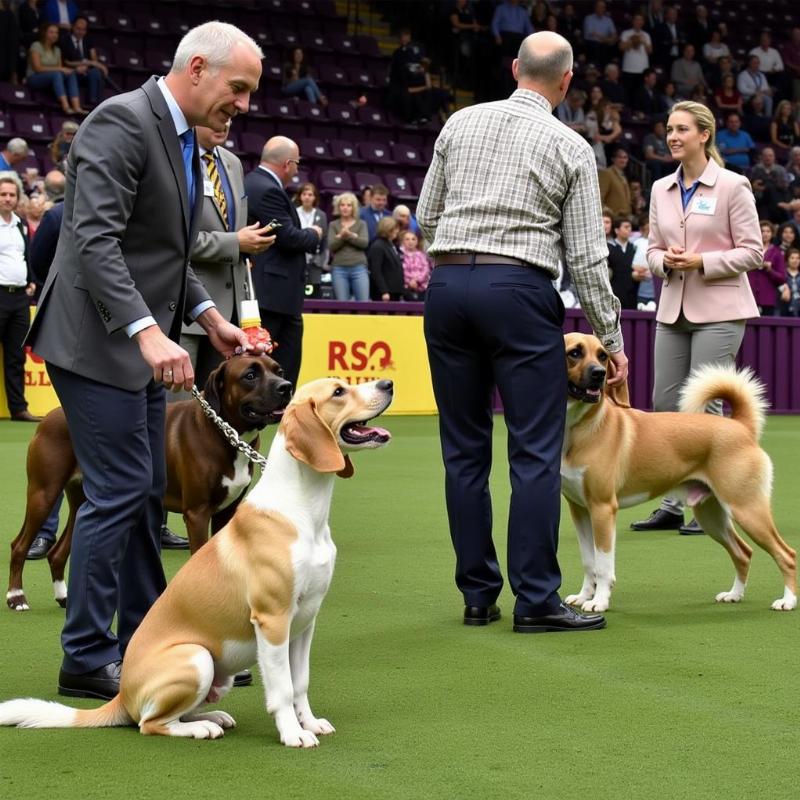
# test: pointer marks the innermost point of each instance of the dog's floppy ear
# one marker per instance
(310, 440)
(618, 393)
(213, 389)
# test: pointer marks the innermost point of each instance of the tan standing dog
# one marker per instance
(206, 475)
(615, 456)
(252, 593)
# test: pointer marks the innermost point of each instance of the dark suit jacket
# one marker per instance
(662, 44)
(279, 274)
(123, 252)
(385, 269)
(43, 246)
(620, 264)
(68, 50)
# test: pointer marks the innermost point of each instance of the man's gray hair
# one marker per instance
(548, 67)
(214, 40)
(54, 184)
(18, 147)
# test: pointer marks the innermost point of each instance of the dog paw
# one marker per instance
(595, 605)
(220, 718)
(729, 597)
(576, 599)
(300, 738)
(204, 729)
(318, 725)
(17, 601)
(786, 603)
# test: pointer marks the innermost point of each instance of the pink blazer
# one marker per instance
(720, 223)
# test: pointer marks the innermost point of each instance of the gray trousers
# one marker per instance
(681, 347)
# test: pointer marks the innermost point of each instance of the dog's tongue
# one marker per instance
(369, 430)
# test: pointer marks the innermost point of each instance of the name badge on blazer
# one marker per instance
(704, 205)
(208, 188)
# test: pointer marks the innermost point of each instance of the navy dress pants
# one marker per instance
(115, 565)
(487, 325)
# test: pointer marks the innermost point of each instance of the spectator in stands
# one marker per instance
(37, 205)
(787, 237)
(756, 121)
(376, 210)
(615, 192)
(60, 12)
(612, 88)
(771, 186)
(648, 101)
(298, 80)
(699, 29)
(636, 47)
(599, 34)
(654, 15)
(784, 130)
(571, 112)
(307, 203)
(539, 13)
(671, 95)
(46, 70)
(620, 264)
(639, 202)
(752, 81)
(43, 248)
(727, 97)
(9, 43)
(416, 266)
(510, 25)
(385, 264)
(407, 73)
(721, 69)
(789, 305)
(603, 124)
(428, 100)
(687, 73)
(464, 29)
(17, 285)
(608, 225)
(793, 163)
(80, 53)
(570, 25)
(657, 156)
(30, 20)
(645, 294)
(348, 241)
(769, 278)
(15, 152)
(715, 48)
(770, 61)
(59, 147)
(366, 197)
(735, 144)
(795, 223)
(791, 60)
(405, 220)
(668, 39)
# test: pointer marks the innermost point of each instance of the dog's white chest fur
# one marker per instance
(313, 568)
(572, 483)
(241, 474)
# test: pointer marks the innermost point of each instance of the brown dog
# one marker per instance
(615, 456)
(206, 476)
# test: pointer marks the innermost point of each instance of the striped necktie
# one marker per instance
(219, 192)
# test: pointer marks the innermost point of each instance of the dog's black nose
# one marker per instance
(597, 374)
(284, 390)
(386, 386)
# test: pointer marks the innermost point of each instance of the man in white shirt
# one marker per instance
(636, 47)
(753, 81)
(16, 288)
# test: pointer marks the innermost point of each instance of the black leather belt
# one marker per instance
(12, 289)
(468, 259)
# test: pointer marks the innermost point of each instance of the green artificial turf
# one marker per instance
(677, 698)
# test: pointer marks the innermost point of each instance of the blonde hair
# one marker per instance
(347, 197)
(385, 227)
(705, 121)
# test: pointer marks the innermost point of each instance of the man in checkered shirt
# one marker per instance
(511, 191)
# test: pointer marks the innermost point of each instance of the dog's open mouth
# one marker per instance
(262, 416)
(358, 433)
(586, 394)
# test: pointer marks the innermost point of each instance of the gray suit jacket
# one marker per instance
(123, 252)
(216, 260)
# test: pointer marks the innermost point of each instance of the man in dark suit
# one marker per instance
(279, 274)
(108, 323)
(78, 53)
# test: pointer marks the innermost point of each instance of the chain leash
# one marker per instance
(228, 431)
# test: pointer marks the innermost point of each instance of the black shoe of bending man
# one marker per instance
(101, 684)
(659, 520)
(563, 618)
(481, 615)
(25, 416)
(39, 548)
(243, 678)
(169, 541)
(691, 529)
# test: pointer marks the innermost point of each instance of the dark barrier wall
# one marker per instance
(771, 348)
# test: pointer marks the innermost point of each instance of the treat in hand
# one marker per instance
(257, 335)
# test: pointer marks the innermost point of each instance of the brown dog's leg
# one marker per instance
(197, 520)
(58, 555)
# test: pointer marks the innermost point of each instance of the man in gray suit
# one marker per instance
(108, 325)
(223, 241)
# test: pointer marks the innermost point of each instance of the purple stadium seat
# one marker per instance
(252, 143)
(283, 108)
(232, 143)
(314, 150)
(334, 182)
(345, 150)
(364, 179)
(373, 117)
(368, 46)
(343, 44)
(360, 77)
(131, 60)
(378, 155)
(5, 126)
(336, 76)
(313, 113)
(30, 162)
(326, 9)
(407, 155)
(16, 96)
(399, 186)
(416, 183)
(303, 7)
(158, 61)
(302, 176)
(32, 126)
(314, 41)
(288, 37)
(273, 73)
(343, 114)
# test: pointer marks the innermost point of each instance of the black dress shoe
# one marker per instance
(39, 548)
(659, 520)
(691, 529)
(25, 416)
(102, 683)
(563, 618)
(169, 541)
(243, 678)
(481, 615)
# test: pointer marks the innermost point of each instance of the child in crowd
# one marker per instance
(416, 267)
(790, 293)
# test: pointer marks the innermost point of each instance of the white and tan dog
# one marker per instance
(615, 456)
(251, 594)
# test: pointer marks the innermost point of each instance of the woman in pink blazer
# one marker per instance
(704, 238)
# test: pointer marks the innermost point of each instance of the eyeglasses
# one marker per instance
(293, 161)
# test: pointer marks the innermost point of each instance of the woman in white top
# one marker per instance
(307, 202)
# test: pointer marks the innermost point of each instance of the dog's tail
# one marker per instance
(740, 388)
(29, 713)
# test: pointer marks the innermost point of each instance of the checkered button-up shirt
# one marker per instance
(508, 178)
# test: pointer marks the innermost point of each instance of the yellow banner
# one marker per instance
(365, 347)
